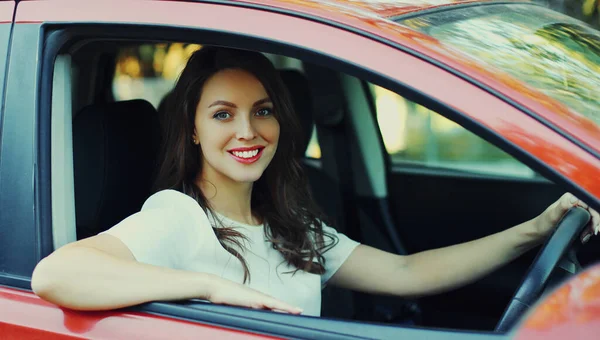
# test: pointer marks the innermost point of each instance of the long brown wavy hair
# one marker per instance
(280, 197)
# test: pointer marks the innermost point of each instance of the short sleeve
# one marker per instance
(169, 225)
(336, 255)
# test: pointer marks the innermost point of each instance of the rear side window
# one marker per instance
(415, 135)
(149, 71)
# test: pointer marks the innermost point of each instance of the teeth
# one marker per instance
(246, 154)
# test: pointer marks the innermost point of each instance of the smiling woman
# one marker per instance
(235, 116)
(230, 101)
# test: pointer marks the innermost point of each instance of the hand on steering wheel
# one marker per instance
(574, 219)
(548, 220)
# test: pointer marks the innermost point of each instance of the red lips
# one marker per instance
(247, 155)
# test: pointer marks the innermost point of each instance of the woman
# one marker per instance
(232, 221)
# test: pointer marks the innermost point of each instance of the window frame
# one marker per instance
(6, 28)
(234, 316)
(19, 166)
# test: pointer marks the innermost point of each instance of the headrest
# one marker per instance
(327, 94)
(115, 148)
(299, 90)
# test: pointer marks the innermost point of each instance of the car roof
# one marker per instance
(368, 8)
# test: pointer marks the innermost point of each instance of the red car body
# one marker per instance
(553, 134)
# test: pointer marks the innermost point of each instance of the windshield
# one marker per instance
(555, 54)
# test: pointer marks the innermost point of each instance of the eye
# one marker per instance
(222, 115)
(264, 112)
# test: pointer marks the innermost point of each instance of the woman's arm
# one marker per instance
(375, 271)
(100, 273)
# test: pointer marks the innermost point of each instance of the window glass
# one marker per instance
(414, 134)
(150, 71)
(555, 54)
(314, 149)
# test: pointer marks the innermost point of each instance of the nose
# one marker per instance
(245, 129)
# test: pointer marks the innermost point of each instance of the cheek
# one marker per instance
(212, 136)
(269, 131)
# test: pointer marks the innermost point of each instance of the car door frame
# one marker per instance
(8, 266)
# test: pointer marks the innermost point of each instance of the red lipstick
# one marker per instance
(246, 155)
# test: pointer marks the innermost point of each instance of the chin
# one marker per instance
(246, 178)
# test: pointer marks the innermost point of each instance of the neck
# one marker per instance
(227, 197)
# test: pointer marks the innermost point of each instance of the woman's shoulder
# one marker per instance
(177, 203)
(170, 198)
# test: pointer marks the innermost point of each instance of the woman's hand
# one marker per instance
(234, 294)
(547, 221)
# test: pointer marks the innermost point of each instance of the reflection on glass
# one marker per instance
(313, 150)
(414, 134)
(557, 55)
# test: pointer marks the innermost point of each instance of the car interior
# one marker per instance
(105, 139)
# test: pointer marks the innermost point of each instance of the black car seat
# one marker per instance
(323, 187)
(336, 302)
(115, 148)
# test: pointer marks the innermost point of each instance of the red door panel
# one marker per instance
(25, 316)
(570, 312)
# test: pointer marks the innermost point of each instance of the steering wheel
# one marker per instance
(560, 243)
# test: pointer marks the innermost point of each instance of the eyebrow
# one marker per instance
(262, 101)
(222, 102)
(226, 103)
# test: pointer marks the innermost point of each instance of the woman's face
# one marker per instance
(235, 127)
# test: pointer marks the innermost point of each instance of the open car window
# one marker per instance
(135, 65)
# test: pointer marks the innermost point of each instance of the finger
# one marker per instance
(595, 221)
(582, 204)
(586, 235)
(559, 208)
(567, 201)
(572, 199)
(595, 217)
(276, 305)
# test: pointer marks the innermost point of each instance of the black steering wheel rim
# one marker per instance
(566, 233)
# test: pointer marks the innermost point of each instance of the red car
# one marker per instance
(456, 119)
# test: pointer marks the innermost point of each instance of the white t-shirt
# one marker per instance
(172, 230)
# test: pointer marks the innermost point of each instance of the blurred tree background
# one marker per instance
(584, 10)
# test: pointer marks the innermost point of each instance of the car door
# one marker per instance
(43, 30)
